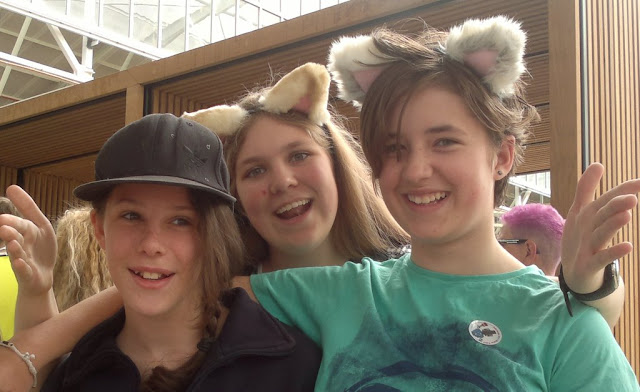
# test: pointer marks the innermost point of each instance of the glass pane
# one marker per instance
(248, 17)
(200, 19)
(115, 17)
(172, 22)
(272, 5)
(267, 19)
(145, 23)
(328, 3)
(291, 8)
(309, 6)
(55, 6)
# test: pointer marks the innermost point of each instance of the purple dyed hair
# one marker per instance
(540, 223)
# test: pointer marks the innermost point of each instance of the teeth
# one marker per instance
(292, 206)
(150, 275)
(426, 199)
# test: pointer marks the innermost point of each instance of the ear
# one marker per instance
(532, 250)
(223, 120)
(354, 63)
(98, 228)
(505, 157)
(305, 89)
(493, 48)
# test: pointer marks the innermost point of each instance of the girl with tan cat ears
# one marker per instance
(303, 186)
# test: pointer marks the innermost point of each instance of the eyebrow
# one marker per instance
(431, 130)
(258, 158)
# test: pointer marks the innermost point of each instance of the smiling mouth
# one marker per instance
(150, 275)
(294, 209)
(427, 199)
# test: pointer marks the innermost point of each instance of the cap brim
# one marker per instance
(96, 189)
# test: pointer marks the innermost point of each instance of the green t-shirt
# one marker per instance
(394, 326)
(8, 295)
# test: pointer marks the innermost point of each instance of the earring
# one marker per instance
(499, 172)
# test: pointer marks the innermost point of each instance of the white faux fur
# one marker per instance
(348, 56)
(306, 89)
(223, 120)
(499, 33)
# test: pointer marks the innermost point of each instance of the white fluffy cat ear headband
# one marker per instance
(305, 89)
(493, 48)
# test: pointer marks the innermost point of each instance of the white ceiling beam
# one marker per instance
(14, 52)
(89, 31)
(66, 50)
(41, 70)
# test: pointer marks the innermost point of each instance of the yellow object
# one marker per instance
(8, 295)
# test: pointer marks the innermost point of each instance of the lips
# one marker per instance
(294, 209)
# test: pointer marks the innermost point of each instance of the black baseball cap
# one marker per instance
(161, 149)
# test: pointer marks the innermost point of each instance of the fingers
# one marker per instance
(22, 271)
(26, 206)
(586, 188)
(606, 256)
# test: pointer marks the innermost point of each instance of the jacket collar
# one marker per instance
(248, 330)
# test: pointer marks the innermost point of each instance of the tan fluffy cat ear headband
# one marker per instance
(305, 89)
(493, 48)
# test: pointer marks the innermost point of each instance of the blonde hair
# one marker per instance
(363, 225)
(421, 62)
(81, 269)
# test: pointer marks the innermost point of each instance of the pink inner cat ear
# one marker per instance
(365, 77)
(483, 62)
(303, 105)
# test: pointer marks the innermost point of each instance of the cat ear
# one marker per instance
(493, 48)
(305, 89)
(354, 63)
(223, 120)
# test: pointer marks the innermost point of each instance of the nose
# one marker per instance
(282, 178)
(151, 242)
(417, 165)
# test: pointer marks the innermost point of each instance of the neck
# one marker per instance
(323, 255)
(168, 341)
(478, 254)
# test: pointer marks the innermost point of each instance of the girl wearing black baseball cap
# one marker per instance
(163, 214)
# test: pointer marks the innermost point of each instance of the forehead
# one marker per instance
(266, 135)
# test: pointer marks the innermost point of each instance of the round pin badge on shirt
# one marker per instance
(485, 332)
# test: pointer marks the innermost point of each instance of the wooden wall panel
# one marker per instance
(613, 114)
(8, 176)
(53, 194)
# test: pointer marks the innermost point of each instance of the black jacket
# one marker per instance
(254, 352)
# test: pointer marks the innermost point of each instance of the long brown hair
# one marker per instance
(222, 253)
(422, 62)
(363, 225)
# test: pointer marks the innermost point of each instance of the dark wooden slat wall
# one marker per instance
(613, 106)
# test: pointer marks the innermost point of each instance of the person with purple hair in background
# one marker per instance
(532, 233)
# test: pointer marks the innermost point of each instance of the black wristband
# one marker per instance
(609, 285)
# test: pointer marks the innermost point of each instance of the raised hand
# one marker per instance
(31, 244)
(590, 227)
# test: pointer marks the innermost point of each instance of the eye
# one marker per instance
(445, 142)
(393, 148)
(299, 156)
(181, 221)
(131, 216)
(254, 172)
